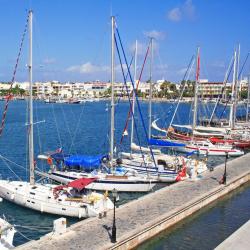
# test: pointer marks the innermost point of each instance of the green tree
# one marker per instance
(243, 94)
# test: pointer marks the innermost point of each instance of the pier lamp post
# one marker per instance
(224, 177)
(113, 235)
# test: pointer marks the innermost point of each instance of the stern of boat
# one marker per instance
(99, 204)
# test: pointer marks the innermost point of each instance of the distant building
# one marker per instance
(210, 89)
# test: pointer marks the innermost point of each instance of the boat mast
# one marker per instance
(237, 86)
(31, 139)
(197, 79)
(248, 96)
(133, 101)
(234, 86)
(150, 90)
(223, 91)
(112, 123)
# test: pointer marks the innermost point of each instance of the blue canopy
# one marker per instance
(161, 143)
(86, 162)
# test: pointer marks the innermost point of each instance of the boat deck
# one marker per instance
(141, 219)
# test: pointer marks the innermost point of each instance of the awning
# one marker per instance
(161, 143)
(81, 183)
(84, 161)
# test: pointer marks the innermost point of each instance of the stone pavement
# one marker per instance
(239, 240)
(139, 214)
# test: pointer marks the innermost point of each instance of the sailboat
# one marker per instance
(198, 140)
(107, 175)
(7, 232)
(68, 200)
(151, 161)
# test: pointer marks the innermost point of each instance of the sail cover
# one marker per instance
(84, 161)
(81, 183)
(161, 143)
(155, 126)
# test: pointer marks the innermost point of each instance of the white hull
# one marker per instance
(130, 184)
(153, 172)
(42, 199)
(167, 173)
(7, 235)
(210, 151)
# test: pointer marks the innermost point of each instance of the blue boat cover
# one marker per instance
(161, 143)
(84, 161)
(191, 153)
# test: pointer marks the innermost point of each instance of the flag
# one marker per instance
(59, 150)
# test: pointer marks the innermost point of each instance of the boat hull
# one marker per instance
(131, 184)
(42, 199)
(161, 176)
(210, 151)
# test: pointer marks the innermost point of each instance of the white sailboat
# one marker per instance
(125, 181)
(69, 200)
(151, 161)
(7, 232)
(202, 145)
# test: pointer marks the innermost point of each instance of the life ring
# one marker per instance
(50, 161)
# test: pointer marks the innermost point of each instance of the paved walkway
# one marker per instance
(136, 215)
(239, 240)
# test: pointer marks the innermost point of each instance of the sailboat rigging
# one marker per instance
(108, 175)
(70, 200)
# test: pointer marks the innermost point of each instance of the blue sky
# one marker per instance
(72, 37)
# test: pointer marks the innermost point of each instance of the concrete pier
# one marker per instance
(239, 240)
(140, 220)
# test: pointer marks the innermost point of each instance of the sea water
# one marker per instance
(77, 129)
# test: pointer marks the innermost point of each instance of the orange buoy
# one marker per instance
(49, 161)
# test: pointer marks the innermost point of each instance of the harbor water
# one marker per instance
(77, 129)
(207, 228)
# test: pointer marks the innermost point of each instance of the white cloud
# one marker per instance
(175, 14)
(189, 9)
(88, 68)
(186, 10)
(49, 60)
(155, 34)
